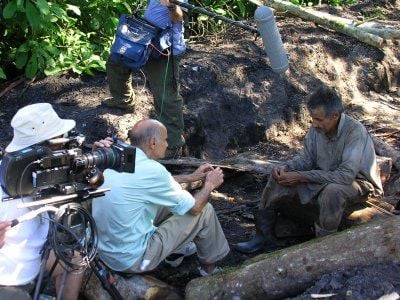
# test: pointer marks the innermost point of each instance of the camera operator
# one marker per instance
(127, 216)
(21, 245)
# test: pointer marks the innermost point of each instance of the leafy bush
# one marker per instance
(318, 2)
(50, 37)
(203, 25)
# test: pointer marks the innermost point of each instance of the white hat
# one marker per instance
(36, 123)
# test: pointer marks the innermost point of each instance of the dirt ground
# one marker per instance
(236, 106)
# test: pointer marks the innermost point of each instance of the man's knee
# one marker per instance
(332, 196)
(273, 193)
(208, 210)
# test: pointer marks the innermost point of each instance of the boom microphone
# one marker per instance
(266, 27)
(272, 41)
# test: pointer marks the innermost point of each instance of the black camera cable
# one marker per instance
(65, 242)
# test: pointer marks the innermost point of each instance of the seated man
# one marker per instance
(20, 246)
(336, 167)
(127, 216)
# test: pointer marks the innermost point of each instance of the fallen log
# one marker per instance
(290, 271)
(383, 149)
(136, 287)
(385, 31)
(235, 164)
(325, 20)
(381, 30)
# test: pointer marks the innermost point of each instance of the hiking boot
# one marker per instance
(122, 104)
(265, 222)
(176, 258)
(203, 273)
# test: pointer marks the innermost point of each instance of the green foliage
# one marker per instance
(378, 13)
(317, 2)
(234, 9)
(48, 37)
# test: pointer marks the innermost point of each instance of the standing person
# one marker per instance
(136, 229)
(337, 167)
(20, 246)
(162, 75)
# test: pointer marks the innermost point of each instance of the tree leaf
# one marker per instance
(33, 14)
(2, 74)
(10, 9)
(21, 60)
(20, 5)
(32, 66)
(52, 71)
(74, 8)
(43, 6)
(24, 47)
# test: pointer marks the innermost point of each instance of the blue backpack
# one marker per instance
(136, 40)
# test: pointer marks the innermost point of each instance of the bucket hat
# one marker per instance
(36, 123)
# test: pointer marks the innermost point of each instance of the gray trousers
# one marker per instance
(163, 78)
(326, 208)
(175, 232)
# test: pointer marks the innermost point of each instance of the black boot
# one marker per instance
(265, 221)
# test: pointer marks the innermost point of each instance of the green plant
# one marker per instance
(204, 25)
(51, 36)
(378, 13)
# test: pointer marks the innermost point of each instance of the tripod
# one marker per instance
(72, 231)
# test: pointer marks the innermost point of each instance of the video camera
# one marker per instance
(39, 170)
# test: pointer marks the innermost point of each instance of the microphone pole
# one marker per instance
(215, 16)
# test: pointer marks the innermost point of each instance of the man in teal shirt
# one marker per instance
(135, 232)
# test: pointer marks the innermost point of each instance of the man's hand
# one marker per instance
(201, 172)
(4, 227)
(166, 3)
(290, 178)
(278, 171)
(214, 179)
(107, 142)
(175, 11)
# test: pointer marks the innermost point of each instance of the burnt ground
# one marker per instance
(237, 107)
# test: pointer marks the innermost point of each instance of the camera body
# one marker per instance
(39, 170)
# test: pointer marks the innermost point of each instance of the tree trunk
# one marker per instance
(326, 20)
(383, 149)
(290, 271)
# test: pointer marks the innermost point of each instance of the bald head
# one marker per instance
(144, 131)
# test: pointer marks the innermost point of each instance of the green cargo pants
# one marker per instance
(163, 78)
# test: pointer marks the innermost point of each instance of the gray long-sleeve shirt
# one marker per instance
(348, 156)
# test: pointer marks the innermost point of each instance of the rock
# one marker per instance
(136, 287)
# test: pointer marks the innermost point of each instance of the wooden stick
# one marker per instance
(384, 149)
(11, 86)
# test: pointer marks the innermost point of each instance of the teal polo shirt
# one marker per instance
(124, 216)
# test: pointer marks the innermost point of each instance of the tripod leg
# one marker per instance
(102, 275)
(45, 257)
(60, 291)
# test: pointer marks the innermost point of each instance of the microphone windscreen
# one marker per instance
(266, 26)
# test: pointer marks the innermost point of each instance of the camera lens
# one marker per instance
(103, 158)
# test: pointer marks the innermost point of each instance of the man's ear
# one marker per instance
(336, 115)
(152, 143)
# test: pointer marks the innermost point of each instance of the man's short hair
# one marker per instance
(327, 98)
(139, 135)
